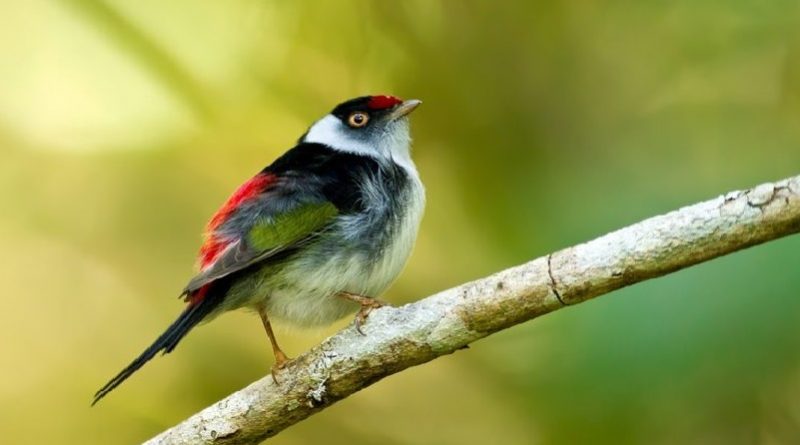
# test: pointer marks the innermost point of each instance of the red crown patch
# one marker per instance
(383, 102)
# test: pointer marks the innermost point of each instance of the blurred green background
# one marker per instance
(123, 125)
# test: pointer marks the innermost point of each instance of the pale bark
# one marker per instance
(397, 338)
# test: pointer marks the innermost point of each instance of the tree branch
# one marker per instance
(398, 338)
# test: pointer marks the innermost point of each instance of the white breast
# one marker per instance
(396, 253)
(310, 298)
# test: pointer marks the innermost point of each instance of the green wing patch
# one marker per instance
(288, 228)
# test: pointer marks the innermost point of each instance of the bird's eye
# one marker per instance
(357, 119)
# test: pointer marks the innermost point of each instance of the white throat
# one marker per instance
(393, 146)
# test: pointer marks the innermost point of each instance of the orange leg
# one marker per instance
(367, 305)
(280, 358)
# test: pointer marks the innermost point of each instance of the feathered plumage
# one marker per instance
(338, 213)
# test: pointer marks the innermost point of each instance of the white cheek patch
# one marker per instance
(330, 131)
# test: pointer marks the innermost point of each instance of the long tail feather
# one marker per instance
(167, 341)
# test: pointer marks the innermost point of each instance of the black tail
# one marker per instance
(188, 319)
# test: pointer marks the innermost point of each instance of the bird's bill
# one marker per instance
(404, 108)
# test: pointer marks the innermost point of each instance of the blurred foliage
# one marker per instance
(124, 124)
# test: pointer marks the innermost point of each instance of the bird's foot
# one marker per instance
(367, 305)
(281, 360)
(361, 316)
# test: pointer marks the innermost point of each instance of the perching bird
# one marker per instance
(326, 226)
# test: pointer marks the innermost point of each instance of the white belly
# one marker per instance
(309, 297)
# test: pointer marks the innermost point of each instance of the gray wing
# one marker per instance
(264, 228)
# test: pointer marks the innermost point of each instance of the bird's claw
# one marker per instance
(281, 361)
(366, 307)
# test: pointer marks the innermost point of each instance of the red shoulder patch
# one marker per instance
(246, 191)
(383, 102)
(213, 246)
(210, 250)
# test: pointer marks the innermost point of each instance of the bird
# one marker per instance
(319, 233)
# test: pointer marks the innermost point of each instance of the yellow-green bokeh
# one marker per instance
(124, 124)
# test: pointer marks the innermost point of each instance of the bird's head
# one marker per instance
(375, 126)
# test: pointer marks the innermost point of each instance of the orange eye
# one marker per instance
(357, 119)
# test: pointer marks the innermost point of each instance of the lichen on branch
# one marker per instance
(398, 338)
